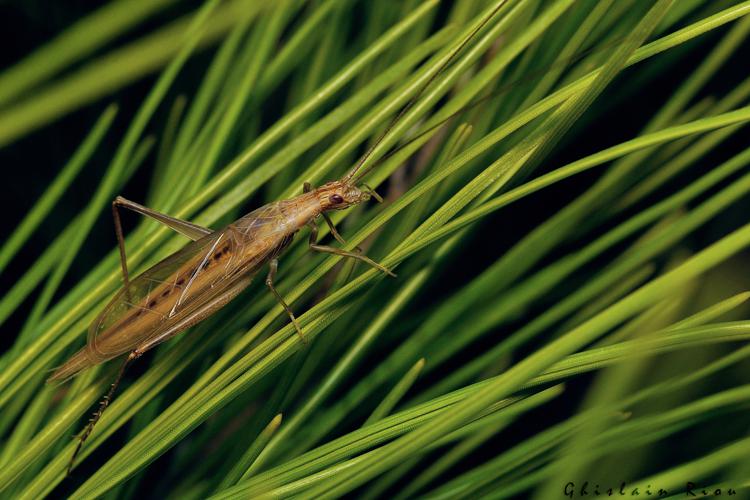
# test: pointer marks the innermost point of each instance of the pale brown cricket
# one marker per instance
(193, 283)
(196, 281)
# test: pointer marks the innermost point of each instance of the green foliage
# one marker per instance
(436, 383)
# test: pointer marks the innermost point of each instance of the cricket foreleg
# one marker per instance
(83, 436)
(337, 251)
(273, 266)
(335, 233)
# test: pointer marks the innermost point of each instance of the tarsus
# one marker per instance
(83, 436)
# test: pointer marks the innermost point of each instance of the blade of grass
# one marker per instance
(398, 391)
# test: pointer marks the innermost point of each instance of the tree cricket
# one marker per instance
(196, 281)
(205, 275)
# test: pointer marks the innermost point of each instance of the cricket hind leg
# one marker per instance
(273, 267)
(106, 400)
(337, 251)
(192, 231)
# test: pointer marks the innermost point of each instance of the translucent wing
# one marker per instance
(165, 292)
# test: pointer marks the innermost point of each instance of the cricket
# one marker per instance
(205, 275)
(196, 281)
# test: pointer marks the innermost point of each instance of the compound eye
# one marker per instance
(336, 199)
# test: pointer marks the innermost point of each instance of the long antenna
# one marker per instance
(397, 118)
